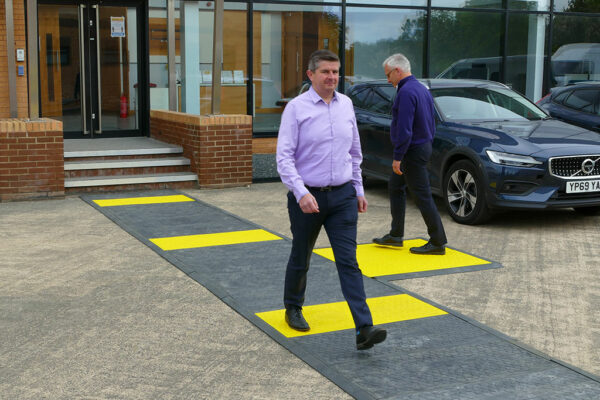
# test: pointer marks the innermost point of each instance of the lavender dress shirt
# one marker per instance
(318, 144)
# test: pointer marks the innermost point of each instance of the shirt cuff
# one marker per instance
(360, 191)
(300, 192)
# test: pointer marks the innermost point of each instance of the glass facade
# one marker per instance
(284, 36)
(369, 44)
(530, 45)
(526, 41)
(455, 53)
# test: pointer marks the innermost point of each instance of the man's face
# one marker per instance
(326, 77)
(392, 74)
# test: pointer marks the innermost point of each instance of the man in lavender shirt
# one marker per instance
(318, 159)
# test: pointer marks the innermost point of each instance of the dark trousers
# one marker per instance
(416, 178)
(338, 213)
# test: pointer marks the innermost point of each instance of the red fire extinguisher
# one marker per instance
(123, 112)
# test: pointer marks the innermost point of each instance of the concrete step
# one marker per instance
(129, 163)
(111, 150)
(122, 180)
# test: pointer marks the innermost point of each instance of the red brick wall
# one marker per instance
(219, 147)
(20, 43)
(31, 159)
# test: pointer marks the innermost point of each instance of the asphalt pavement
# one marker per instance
(88, 311)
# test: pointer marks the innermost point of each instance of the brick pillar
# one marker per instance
(31, 159)
(218, 146)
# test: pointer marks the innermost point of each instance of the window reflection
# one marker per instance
(467, 3)
(466, 45)
(529, 5)
(526, 39)
(284, 38)
(575, 50)
(421, 3)
(372, 35)
(576, 6)
(157, 40)
(196, 76)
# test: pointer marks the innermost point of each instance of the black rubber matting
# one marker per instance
(441, 357)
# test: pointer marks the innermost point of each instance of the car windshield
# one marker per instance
(484, 104)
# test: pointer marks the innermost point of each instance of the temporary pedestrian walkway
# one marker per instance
(431, 352)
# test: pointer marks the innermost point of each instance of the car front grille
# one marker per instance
(576, 167)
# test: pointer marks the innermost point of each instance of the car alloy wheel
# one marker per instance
(463, 194)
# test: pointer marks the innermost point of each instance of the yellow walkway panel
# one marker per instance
(375, 260)
(332, 317)
(142, 200)
(214, 239)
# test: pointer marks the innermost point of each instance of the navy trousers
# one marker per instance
(416, 177)
(338, 213)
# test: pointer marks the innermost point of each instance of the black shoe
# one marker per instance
(429, 248)
(368, 336)
(294, 318)
(389, 240)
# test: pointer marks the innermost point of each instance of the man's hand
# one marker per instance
(396, 167)
(362, 204)
(308, 204)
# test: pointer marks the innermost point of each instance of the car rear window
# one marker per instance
(376, 99)
(583, 100)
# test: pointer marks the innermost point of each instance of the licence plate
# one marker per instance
(583, 186)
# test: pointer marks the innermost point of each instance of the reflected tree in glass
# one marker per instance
(458, 35)
(364, 57)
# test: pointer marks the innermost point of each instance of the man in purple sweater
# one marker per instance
(318, 159)
(412, 131)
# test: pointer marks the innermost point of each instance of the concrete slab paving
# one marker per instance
(88, 312)
(236, 272)
(79, 324)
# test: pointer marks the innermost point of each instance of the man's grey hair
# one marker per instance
(398, 60)
(321, 55)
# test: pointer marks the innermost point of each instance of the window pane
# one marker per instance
(466, 44)
(526, 40)
(582, 100)
(576, 6)
(312, 1)
(195, 78)
(575, 49)
(529, 5)
(380, 104)
(561, 97)
(475, 103)
(360, 98)
(158, 45)
(467, 3)
(374, 34)
(421, 3)
(284, 38)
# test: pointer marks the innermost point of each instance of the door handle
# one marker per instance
(82, 63)
(98, 63)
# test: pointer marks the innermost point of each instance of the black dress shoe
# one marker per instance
(294, 318)
(389, 240)
(429, 248)
(368, 336)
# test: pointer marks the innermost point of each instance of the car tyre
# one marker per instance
(464, 194)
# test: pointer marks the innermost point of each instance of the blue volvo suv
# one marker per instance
(493, 149)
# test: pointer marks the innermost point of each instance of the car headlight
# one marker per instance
(513, 160)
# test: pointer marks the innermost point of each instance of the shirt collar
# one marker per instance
(314, 96)
(403, 81)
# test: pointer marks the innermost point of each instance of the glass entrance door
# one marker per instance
(89, 67)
